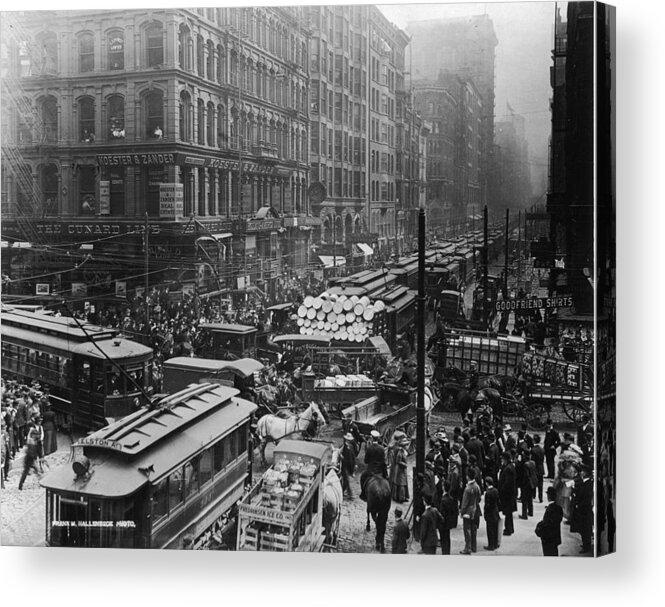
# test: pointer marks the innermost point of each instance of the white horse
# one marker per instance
(274, 428)
(333, 496)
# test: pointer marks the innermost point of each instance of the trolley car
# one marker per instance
(93, 373)
(174, 469)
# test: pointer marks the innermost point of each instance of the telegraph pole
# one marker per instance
(420, 403)
(485, 267)
(505, 261)
(147, 279)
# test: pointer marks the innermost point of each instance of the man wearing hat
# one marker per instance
(401, 533)
(491, 513)
(399, 482)
(507, 491)
(549, 529)
(582, 507)
(375, 460)
(348, 464)
(552, 441)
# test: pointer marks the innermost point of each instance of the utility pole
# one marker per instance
(505, 261)
(147, 276)
(334, 234)
(485, 267)
(421, 422)
(519, 248)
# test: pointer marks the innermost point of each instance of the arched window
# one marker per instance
(116, 117)
(86, 180)
(200, 120)
(49, 115)
(115, 44)
(222, 138)
(86, 111)
(221, 64)
(184, 40)
(48, 181)
(48, 45)
(154, 45)
(210, 61)
(185, 117)
(210, 124)
(86, 53)
(154, 115)
(199, 55)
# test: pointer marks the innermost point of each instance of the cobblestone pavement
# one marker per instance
(23, 513)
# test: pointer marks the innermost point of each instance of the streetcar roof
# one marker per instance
(243, 366)
(229, 328)
(148, 444)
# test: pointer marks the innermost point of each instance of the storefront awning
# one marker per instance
(329, 261)
(365, 248)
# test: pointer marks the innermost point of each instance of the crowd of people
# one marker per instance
(29, 425)
(495, 475)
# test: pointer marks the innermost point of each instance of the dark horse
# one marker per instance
(465, 400)
(377, 491)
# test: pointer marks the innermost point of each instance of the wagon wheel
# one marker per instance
(387, 435)
(536, 416)
(575, 410)
(410, 431)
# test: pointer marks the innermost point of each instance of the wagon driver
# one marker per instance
(375, 460)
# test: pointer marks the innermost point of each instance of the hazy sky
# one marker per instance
(523, 57)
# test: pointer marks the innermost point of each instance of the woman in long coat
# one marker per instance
(50, 431)
(399, 482)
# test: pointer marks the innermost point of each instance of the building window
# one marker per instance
(49, 116)
(210, 124)
(86, 177)
(116, 50)
(48, 44)
(154, 108)
(155, 45)
(48, 180)
(184, 43)
(116, 117)
(184, 116)
(86, 53)
(117, 191)
(199, 55)
(87, 120)
(200, 120)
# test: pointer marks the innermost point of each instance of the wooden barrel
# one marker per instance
(358, 309)
(331, 317)
(302, 311)
(319, 324)
(326, 326)
(320, 315)
(317, 303)
(303, 330)
(334, 327)
(301, 322)
(350, 317)
(348, 305)
(364, 300)
(327, 307)
(368, 314)
(338, 307)
(308, 301)
(311, 313)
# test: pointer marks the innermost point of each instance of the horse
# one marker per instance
(377, 490)
(274, 428)
(333, 496)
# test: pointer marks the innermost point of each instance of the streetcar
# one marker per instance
(94, 374)
(228, 341)
(168, 474)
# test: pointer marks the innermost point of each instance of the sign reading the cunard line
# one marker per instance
(556, 372)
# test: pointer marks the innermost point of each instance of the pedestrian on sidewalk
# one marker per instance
(507, 492)
(538, 456)
(449, 510)
(582, 506)
(549, 529)
(348, 464)
(529, 483)
(470, 512)
(491, 512)
(401, 533)
(430, 523)
(552, 441)
(5, 454)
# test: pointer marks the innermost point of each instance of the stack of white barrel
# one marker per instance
(340, 317)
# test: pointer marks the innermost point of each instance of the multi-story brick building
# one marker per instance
(357, 59)
(198, 118)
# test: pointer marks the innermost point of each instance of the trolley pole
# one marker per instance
(147, 279)
(421, 432)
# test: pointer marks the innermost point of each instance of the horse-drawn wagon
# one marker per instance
(393, 408)
(338, 391)
(284, 511)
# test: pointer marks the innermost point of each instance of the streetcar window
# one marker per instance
(136, 376)
(206, 466)
(241, 440)
(84, 375)
(98, 381)
(230, 447)
(176, 489)
(191, 477)
(115, 383)
(160, 500)
(218, 456)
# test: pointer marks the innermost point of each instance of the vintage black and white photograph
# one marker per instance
(333, 278)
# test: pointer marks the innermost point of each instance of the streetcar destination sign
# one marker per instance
(531, 303)
(91, 441)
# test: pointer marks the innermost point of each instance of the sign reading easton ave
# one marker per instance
(532, 303)
(91, 441)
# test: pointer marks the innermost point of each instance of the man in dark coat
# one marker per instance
(449, 510)
(529, 483)
(493, 458)
(375, 460)
(552, 441)
(507, 492)
(549, 529)
(491, 513)
(538, 456)
(470, 511)
(475, 447)
(401, 533)
(430, 523)
(582, 506)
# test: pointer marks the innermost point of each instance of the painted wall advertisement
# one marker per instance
(171, 197)
(104, 197)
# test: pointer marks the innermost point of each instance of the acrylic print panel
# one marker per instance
(307, 279)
